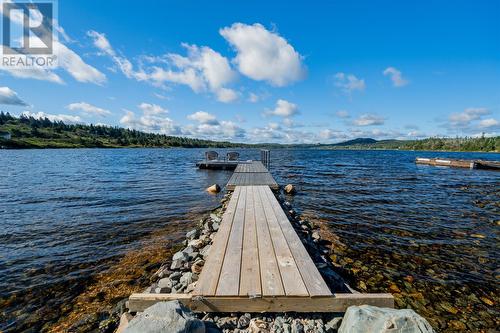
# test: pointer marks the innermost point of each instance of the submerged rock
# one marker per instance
(170, 317)
(367, 318)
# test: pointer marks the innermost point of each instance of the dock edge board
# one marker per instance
(334, 303)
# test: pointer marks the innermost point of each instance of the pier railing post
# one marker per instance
(265, 157)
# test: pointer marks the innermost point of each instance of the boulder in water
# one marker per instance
(290, 189)
(367, 318)
(215, 188)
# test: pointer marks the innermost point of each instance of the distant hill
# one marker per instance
(491, 144)
(358, 141)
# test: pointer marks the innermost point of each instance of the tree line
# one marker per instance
(30, 132)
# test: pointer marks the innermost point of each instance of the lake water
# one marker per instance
(429, 235)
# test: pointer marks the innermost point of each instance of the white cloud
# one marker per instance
(88, 109)
(465, 118)
(349, 83)
(284, 109)
(76, 67)
(215, 130)
(328, 134)
(152, 109)
(67, 119)
(368, 120)
(203, 117)
(396, 77)
(9, 97)
(489, 123)
(202, 69)
(150, 123)
(263, 55)
(342, 114)
(226, 95)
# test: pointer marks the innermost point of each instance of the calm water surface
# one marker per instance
(65, 215)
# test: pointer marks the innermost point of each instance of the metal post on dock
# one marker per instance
(265, 157)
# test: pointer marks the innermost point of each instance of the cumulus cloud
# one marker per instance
(489, 123)
(203, 117)
(284, 109)
(150, 123)
(349, 83)
(10, 97)
(368, 120)
(329, 134)
(67, 119)
(88, 109)
(342, 114)
(396, 77)
(202, 69)
(152, 109)
(264, 55)
(465, 118)
(226, 95)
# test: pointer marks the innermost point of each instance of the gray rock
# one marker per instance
(164, 286)
(244, 320)
(195, 243)
(215, 218)
(297, 326)
(215, 226)
(333, 325)
(175, 276)
(162, 317)
(204, 251)
(367, 318)
(186, 279)
(181, 255)
(192, 234)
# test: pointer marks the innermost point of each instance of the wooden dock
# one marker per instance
(468, 164)
(254, 173)
(257, 262)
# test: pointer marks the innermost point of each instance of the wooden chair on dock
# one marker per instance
(233, 156)
(211, 155)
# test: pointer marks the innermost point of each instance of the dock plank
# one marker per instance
(229, 278)
(209, 277)
(313, 280)
(290, 275)
(250, 284)
(269, 272)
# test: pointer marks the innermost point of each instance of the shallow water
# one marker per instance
(66, 215)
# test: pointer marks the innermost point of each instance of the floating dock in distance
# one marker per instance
(469, 164)
(220, 164)
(257, 263)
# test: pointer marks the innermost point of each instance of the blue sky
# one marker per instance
(272, 71)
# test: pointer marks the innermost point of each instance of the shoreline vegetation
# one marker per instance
(31, 133)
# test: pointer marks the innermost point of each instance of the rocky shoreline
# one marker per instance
(180, 274)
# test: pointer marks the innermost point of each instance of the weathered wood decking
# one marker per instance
(257, 253)
(257, 262)
(254, 173)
